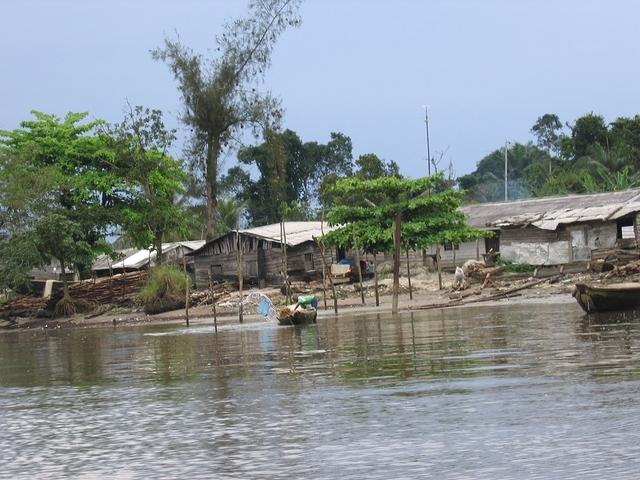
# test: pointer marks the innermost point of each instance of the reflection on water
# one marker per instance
(508, 392)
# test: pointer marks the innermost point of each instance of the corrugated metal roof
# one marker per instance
(549, 212)
(133, 259)
(296, 232)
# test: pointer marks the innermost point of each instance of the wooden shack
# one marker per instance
(263, 254)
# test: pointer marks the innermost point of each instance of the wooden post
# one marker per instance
(186, 290)
(375, 277)
(396, 262)
(355, 246)
(213, 302)
(124, 280)
(453, 249)
(286, 263)
(240, 274)
(409, 275)
(324, 276)
(439, 267)
(324, 260)
(477, 249)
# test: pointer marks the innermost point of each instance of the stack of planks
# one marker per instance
(118, 289)
(220, 291)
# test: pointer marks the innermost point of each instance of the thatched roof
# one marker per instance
(549, 212)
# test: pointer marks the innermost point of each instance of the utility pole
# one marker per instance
(506, 197)
(426, 122)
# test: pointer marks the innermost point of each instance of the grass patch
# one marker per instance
(513, 267)
(165, 289)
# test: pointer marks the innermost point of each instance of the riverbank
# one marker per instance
(425, 296)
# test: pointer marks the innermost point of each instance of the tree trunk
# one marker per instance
(158, 243)
(438, 259)
(409, 276)
(65, 284)
(211, 175)
(396, 262)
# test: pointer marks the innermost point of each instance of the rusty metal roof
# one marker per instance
(549, 212)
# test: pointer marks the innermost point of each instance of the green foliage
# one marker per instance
(547, 130)
(430, 213)
(60, 189)
(218, 95)
(165, 289)
(486, 184)
(371, 166)
(153, 179)
(291, 172)
(593, 157)
(19, 253)
(513, 267)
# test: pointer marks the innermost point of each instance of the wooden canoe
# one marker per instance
(299, 316)
(607, 298)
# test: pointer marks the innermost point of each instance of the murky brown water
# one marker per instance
(484, 393)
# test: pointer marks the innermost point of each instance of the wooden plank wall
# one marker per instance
(227, 263)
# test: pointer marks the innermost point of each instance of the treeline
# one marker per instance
(67, 185)
(589, 155)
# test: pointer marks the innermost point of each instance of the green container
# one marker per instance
(306, 299)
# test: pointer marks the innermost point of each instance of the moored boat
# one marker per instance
(297, 315)
(607, 298)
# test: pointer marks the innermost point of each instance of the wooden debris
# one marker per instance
(496, 296)
(624, 270)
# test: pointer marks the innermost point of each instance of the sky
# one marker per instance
(487, 69)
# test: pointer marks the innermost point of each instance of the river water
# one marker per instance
(510, 392)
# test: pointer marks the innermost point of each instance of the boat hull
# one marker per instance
(621, 296)
(300, 316)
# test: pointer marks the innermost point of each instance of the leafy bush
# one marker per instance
(513, 267)
(165, 289)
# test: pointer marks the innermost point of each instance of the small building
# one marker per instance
(263, 255)
(559, 230)
(133, 259)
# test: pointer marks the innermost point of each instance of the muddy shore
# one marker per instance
(425, 296)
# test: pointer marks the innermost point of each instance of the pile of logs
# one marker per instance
(218, 292)
(118, 289)
(624, 270)
(479, 271)
(25, 306)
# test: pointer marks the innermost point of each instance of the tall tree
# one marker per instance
(371, 166)
(290, 172)
(547, 130)
(60, 176)
(218, 97)
(416, 213)
(151, 207)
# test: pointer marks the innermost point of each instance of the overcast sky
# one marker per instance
(486, 68)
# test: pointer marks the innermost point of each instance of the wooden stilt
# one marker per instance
(375, 277)
(396, 262)
(355, 246)
(186, 290)
(438, 262)
(409, 276)
(213, 303)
